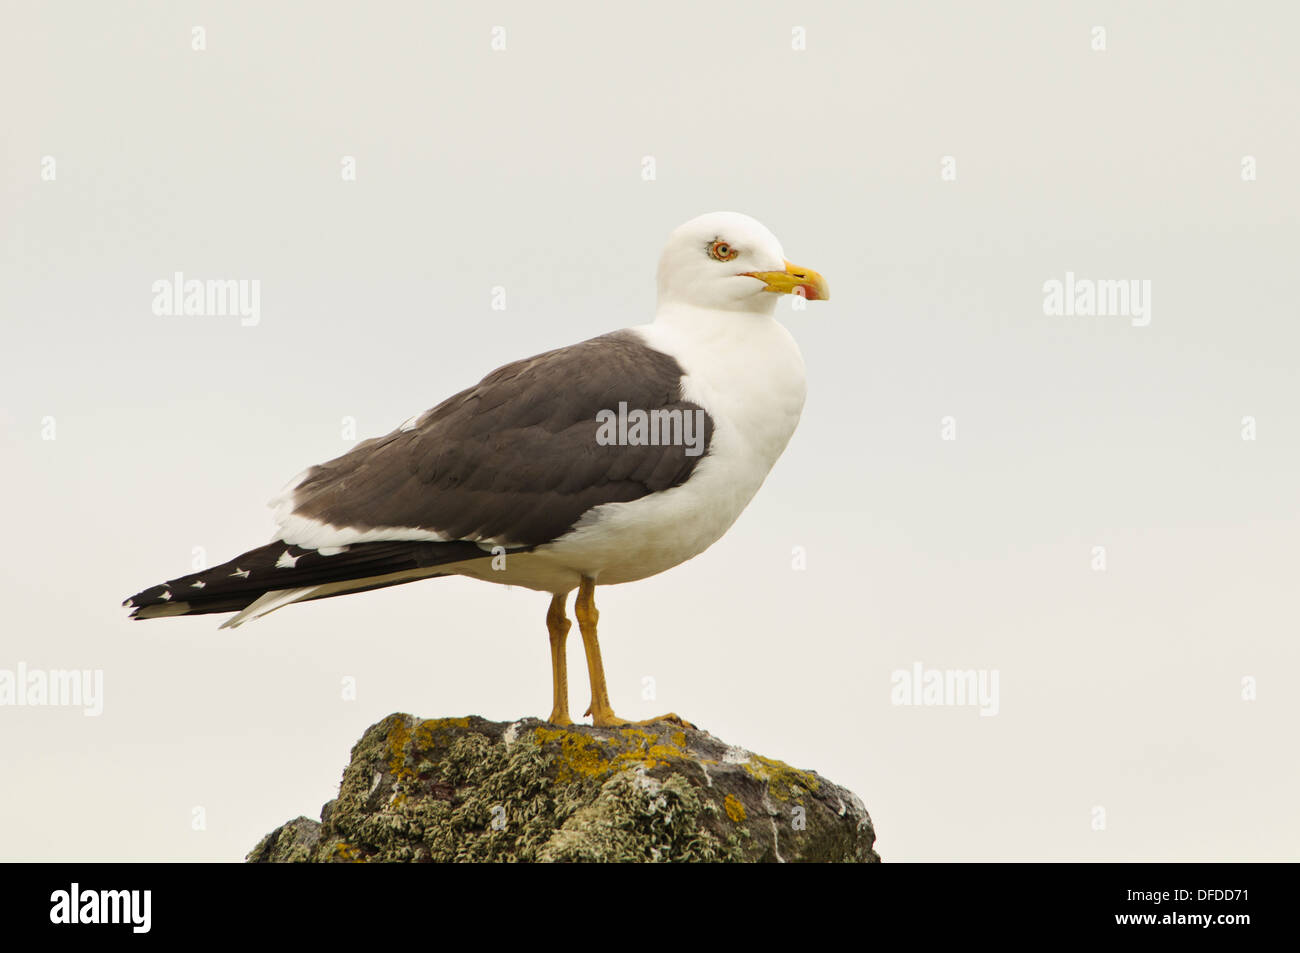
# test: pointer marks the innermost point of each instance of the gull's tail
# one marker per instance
(264, 579)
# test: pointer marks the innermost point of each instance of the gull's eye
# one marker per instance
(722, 251)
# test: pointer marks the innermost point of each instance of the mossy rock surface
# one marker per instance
(467, 789)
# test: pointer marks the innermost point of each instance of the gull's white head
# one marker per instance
(728, 261)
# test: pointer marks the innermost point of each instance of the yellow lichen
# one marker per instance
(404, 744)
(399, 736)
(578, 755)
(588, 756)
(426, 732)
(780, 777)
(646, 748)
(346, 852)
(735, 810)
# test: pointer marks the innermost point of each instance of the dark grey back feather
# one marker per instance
(514, 457)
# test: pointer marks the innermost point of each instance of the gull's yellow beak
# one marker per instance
(794, 280)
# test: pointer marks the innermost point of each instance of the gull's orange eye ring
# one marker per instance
(722, 251)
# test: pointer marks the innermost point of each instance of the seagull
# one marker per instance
(600, 463)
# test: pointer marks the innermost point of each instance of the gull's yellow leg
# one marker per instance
(601, 712)
(558, 626)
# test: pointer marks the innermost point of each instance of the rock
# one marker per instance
(290, 843)
(467, 789)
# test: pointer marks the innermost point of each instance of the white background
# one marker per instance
(1120, 689)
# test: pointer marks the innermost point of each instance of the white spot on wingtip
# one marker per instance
(286, 561)
(129, 604)
(200, 584)
(241, 573)
(166, 596)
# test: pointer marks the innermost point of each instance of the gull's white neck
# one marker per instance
(743, 367)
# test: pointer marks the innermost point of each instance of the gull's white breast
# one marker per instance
(748, 375)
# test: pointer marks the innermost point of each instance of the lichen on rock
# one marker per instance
(467, 789)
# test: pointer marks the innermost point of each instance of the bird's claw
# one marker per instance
(673, 717)
(611, 720)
